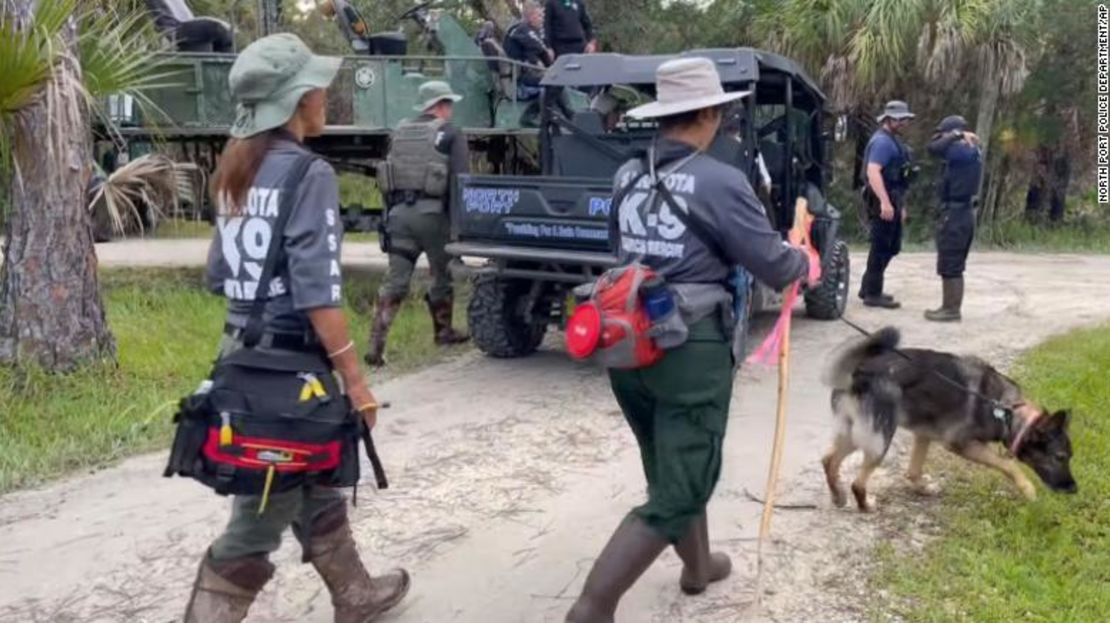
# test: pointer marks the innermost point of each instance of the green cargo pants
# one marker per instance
(249, 532)
(414, 230)
(678, 410)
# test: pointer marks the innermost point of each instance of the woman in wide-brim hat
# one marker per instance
(678, 408)
(279, 86)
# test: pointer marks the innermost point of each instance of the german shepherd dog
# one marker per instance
(960, 402)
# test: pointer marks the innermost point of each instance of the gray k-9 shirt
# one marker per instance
(723, 201)
(309, 277)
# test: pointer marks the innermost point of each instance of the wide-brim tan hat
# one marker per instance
(683, 85)
(269, 78)
(434, 92)
(897, 110)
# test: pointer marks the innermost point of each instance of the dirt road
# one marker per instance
(193, 252)
(510, 475)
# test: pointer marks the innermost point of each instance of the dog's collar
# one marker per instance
(1015, 445)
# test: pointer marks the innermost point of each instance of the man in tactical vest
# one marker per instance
(963, 170)
(425, 155)
(889, 171)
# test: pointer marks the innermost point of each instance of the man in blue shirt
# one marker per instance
(963, 170)
(889, 169)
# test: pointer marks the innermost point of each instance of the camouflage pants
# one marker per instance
(413, 232)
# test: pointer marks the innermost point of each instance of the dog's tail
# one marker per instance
(845, 360)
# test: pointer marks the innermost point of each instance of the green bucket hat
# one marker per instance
(434, 92)
(269, 78)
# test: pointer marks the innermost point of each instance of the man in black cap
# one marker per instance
(963, 170)
(567, 27)
(889, 168)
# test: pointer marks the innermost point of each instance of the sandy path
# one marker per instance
(194, 252)
(509, 477)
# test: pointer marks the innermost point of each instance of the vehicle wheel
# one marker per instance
(496, 323)
(828, 300)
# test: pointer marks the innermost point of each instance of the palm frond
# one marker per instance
(153, 184)
(121, 56)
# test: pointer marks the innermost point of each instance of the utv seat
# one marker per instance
(500, 69)
(189, 33)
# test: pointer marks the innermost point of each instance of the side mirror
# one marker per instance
(840, 132)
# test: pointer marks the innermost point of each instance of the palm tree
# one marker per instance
(58, 58)
(867, 51)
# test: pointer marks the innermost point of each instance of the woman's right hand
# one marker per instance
(363, 401)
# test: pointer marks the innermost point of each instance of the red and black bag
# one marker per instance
(613, 325)
(269, 420)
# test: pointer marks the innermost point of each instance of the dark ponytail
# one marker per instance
(237, 168)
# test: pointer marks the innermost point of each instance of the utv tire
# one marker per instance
(496, 320)
(828, 300)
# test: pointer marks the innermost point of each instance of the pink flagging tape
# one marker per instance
(768, 352)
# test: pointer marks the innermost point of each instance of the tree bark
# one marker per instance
(988, 107)
(500, 12)
(51, 312)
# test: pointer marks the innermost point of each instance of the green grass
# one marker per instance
(1002, 559)
(167, 329)
(361, 189)
(183, 228)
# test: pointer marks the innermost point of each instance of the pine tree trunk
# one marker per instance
(51, 312)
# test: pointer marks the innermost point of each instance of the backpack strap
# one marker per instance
(253, 331)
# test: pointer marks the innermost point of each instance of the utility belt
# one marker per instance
(408, 197)
(305, 342)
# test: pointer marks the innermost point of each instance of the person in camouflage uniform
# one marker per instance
(425, 155)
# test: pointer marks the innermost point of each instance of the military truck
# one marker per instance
(375, 90)
(540, 236)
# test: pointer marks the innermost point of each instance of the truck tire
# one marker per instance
(495, 322)
(828, 300)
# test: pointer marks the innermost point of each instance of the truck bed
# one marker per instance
(561, 219)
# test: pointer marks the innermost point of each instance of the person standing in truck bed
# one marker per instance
(567, 27)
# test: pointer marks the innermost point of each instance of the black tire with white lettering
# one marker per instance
(496, 319)
(828, 300)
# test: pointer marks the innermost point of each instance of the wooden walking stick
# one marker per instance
(780, 338)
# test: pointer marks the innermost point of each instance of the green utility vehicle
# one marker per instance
(376, 89)
(542, 235)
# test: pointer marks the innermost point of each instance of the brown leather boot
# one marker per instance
(442, 313)
(384, 315)
(225, 589)
(700, 567)
(357, 597)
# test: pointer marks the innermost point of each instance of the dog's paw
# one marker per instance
(1028, 490)
(839, 498)
(866, 503)
(925, 486)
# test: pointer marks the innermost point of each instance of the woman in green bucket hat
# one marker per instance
(279, 86)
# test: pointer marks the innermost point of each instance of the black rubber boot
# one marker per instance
(884, 301)
(629, 552)
(953, 299)
(700, 567)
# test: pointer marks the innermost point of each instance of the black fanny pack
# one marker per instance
(269, 420)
